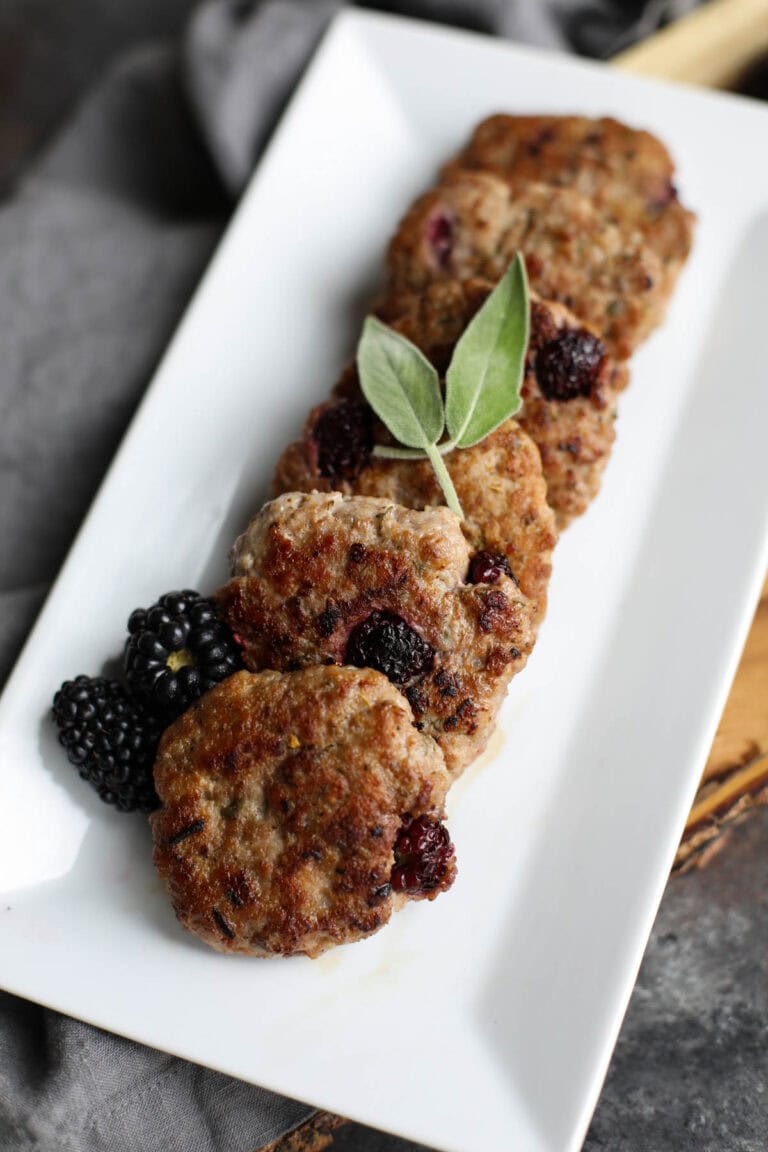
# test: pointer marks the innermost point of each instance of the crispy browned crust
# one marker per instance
(607, 275)
(311, 567)
(281, 800)
(626, 171)
(499, 483)
(575, 436)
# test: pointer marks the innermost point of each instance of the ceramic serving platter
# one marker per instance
(485, 1021)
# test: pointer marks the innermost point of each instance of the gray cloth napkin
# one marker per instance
(99, 251)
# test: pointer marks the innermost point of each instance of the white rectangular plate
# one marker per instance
(485, 1021)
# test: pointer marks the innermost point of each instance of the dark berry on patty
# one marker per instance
(385, 642)
(178, 649)
(440, 238)
(666, 195)
(423, 856)
(488, 567)
(343, 434)
(567, 366)
(110, 739)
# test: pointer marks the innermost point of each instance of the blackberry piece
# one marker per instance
(343, 434)
(440, 238)
(176, 650)
(488, 568)
(385, 642)
(567, 366)
(424, 856)
(110, 739)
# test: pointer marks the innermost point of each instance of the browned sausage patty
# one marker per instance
(473, 225)
(623, 170)
(297, 810)
(328, 579)
(570, 390)
(499, 482)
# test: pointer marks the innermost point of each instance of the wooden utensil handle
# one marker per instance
(713, 46)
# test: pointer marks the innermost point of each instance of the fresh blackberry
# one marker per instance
(176, 650)
(110, 739)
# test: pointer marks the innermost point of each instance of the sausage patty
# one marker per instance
(328, 579)
(298, 810)
(474, 223)
(627, 172)
(499, 482)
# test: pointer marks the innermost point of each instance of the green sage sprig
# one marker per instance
(482, 383)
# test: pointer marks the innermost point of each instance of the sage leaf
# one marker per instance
(482, 384)
(400, 385)
(391, 452)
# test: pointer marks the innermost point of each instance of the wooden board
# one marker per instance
(735, 778)
(742, 736)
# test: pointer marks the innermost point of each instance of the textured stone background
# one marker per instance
(690, 1071)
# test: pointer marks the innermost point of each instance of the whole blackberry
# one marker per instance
(567, 366)
(110, 739)
(384, 641)
(176, 650)
(343, 434)
(424, 857)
